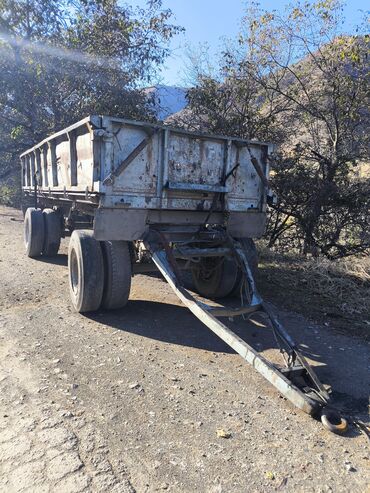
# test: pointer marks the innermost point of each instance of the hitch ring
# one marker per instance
(333, 421)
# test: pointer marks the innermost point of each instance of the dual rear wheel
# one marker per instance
(42, 232)
(99, 272)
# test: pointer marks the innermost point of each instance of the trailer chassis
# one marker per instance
(297, 381)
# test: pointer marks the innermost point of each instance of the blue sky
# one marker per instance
(211, 20)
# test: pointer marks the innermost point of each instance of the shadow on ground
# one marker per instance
(60, 259)
(174, 324)
(163, 322)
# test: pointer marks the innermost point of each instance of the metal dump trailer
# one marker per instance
(130, 175)
(135, 197)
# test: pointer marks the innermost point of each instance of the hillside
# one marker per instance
(166, 100)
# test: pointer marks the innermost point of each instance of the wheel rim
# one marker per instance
(73, 272)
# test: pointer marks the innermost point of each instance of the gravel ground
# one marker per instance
(132, 400)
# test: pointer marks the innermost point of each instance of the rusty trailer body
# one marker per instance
(136, 196)
(130, 175)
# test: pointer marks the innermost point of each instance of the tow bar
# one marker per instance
(297, 381)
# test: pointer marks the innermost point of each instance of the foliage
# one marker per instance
(341, 228)
(295, 80)
(10, 194)
(62, 60)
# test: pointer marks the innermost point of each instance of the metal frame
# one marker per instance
(297, 381)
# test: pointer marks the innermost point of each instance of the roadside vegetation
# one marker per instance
(297, 80)
(334, 292)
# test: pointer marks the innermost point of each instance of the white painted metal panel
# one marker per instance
(84, 161)
(63, 167)
(195, 160)
(141, 175)
(144, 166)
(49, 169)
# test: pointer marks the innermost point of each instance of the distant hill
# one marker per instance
(166, 100)
(315, 80)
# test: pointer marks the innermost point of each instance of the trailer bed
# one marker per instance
(124, 165)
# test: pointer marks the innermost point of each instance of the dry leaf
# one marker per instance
(223, 434)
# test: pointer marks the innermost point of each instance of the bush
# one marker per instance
(10, 194)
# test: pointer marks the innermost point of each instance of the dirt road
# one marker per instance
(132, 400)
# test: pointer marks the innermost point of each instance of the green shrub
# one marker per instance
(10, 194)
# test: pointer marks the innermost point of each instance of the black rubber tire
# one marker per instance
(34, 232)
(53, 232)
(117, 274)
(86, 271)
(212, 280)
(250, 251)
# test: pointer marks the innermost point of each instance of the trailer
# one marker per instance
(136, 197)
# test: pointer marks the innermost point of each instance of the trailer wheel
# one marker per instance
(117, 274)
(86, 271)
(34, 232)
(53, 232)
(214, 277)
(250, 251)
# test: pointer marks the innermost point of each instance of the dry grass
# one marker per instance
(346, 283)
(336, 292)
